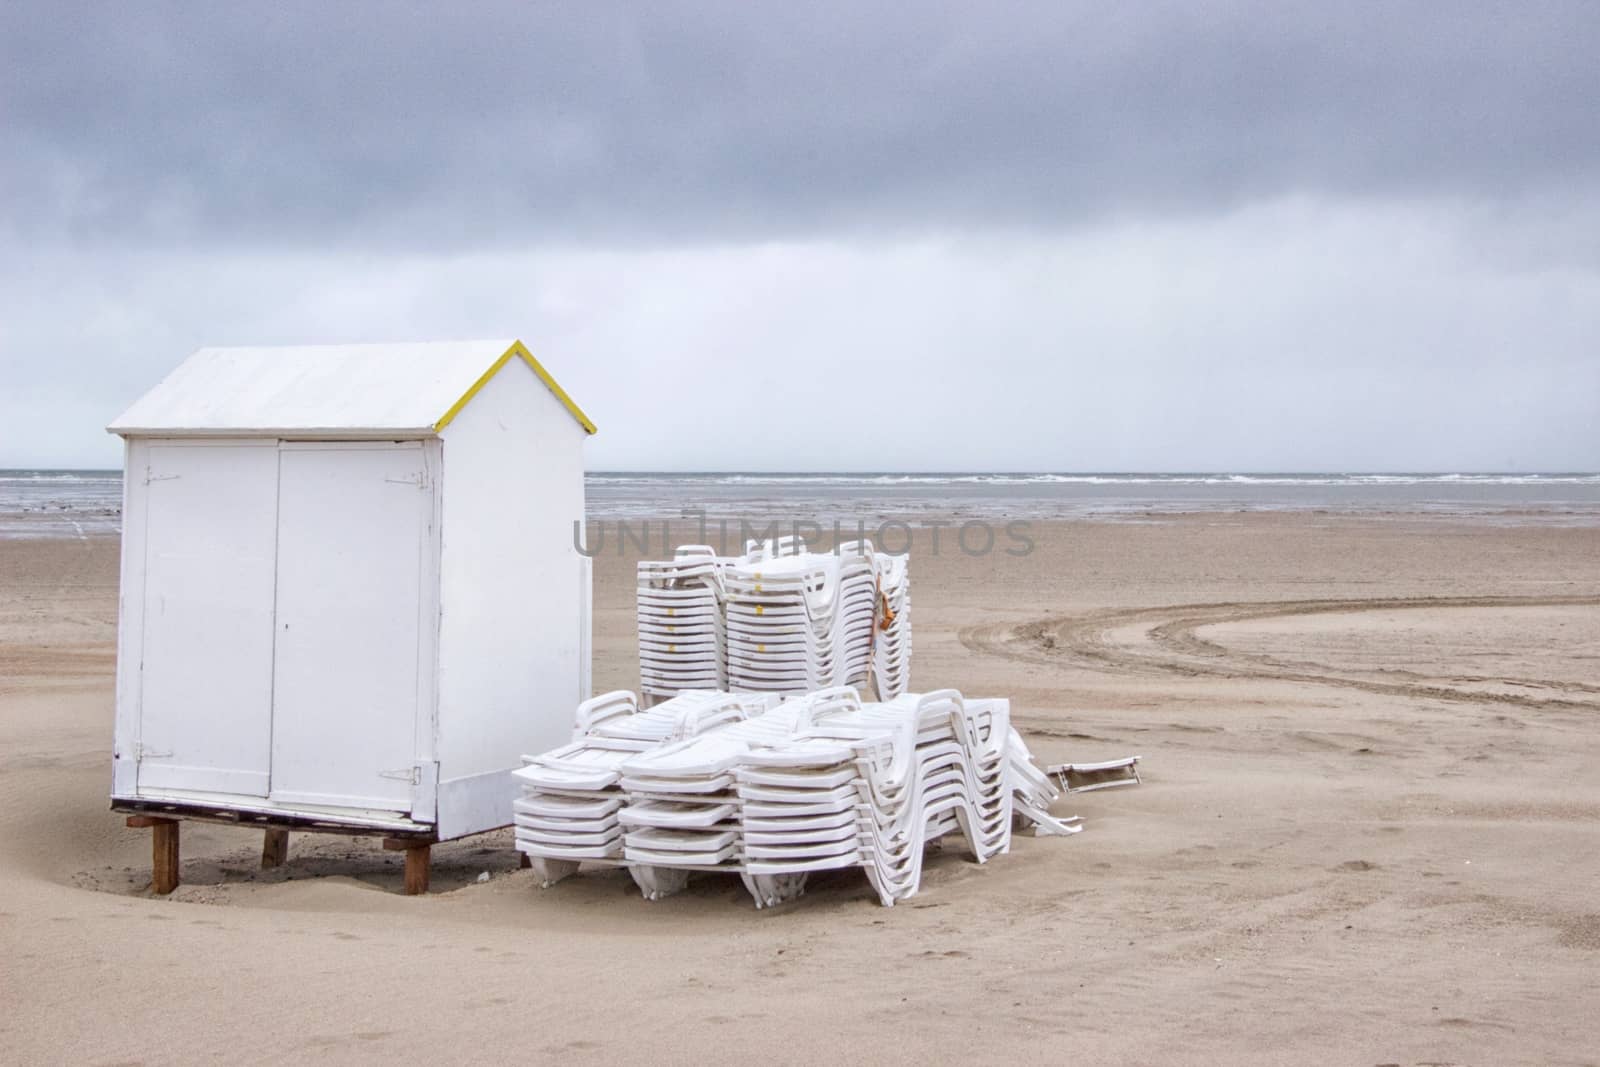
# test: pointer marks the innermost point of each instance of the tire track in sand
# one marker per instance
(1164, 642)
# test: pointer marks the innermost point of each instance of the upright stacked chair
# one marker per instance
(891, 640)
(779, 619)
(681, 624)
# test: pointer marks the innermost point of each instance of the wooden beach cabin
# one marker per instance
(351, 596)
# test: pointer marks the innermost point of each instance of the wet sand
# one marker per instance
(1369, 833)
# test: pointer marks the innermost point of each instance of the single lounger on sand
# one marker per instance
(1085, 777)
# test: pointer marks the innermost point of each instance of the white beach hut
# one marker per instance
(351, 594)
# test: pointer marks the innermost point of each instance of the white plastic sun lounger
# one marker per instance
(1086, 777)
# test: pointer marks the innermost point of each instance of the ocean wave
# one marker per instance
(54, 500)
(1000, 479)
(62, 477)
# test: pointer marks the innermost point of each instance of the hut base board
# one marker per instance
(163, 817)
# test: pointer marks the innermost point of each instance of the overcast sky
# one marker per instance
(760, 236)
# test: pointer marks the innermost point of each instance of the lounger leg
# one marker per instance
(163, 850)
(770, 890)
(550, 871)
(658, 882)
(274, 848)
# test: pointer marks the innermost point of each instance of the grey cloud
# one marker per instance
(429, 127)
(1287, 337)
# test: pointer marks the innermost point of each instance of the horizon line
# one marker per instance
(969, 472)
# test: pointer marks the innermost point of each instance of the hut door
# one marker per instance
(353, 522)
(205, 679)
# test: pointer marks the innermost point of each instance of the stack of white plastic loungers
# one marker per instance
(779, 619)
(680, 612)
(871, 785)
(567, 811)
(733, 784)
(826, 782)
(682, 813)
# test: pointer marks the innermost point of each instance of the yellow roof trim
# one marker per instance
(517, 349)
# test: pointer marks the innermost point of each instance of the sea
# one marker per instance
(88, 503)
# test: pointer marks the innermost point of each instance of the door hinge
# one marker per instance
(143, 751)
(420, 480)
(151, 477)
(404, 774)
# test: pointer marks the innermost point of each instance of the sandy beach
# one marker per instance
(1369, 833)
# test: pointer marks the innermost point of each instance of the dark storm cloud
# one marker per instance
(438, 126)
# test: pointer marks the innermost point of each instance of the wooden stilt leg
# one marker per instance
(418, 856)
(417, 862)
(274, 848)
(165, 862)
(163, 850)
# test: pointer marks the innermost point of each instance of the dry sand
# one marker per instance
(1369, 833)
